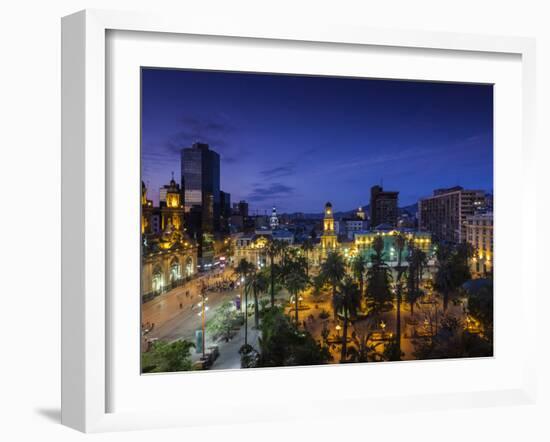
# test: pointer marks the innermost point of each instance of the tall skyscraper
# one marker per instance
(445, 213)
(383, 207)
(240, 208)
(225, 210)
(200, 175)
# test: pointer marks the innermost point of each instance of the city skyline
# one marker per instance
(445, 141)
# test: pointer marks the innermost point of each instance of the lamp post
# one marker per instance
(383, 327)
(338, 328)
(204, 308)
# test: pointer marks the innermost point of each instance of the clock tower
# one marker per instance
(329, 239)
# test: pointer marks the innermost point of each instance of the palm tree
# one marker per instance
(244, 269)
(400, 245)
(257, 282)
(273, 249)
(348, 301)
(333, 271)
(378, 278)
(307, 246)
(417, 259)
(295, 281)
(358, 267)
(443, 281)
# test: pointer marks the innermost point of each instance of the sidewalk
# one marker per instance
(230, 358)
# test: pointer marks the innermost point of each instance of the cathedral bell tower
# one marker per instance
(329, 239)
(172, 212)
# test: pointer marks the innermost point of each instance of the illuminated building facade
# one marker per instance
(420, 240)
(445, 212)
(172, 211)
(479, 233)
(169, 257)
(251, 246)
(329, 238)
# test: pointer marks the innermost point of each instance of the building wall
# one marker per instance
(444, 214)
(164, 270)
(421, 240)
(383, 207)
(479, 233)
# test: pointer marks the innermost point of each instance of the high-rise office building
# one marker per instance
(240, 208)
(225, 210)
(200, 175)
(383, 207)
(445, 212)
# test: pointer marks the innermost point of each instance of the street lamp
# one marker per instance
(202, 314)
(338, 328)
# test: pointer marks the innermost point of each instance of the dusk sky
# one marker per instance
(296, 142)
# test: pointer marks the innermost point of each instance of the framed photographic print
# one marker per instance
(315, 262)
(279, 209)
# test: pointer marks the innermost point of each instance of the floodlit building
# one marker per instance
(444, 213)
(352, 226)
(329, 237)
(169, 256)
(252, 246)
(479, 233)
(421, 240)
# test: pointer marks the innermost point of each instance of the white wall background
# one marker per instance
(30, 213)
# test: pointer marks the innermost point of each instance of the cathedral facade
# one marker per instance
(169, 256)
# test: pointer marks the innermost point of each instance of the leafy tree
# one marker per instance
(362, 348)
(348, 301)
(166, 357)
(250, 358)
(283, 344)
(378, 278)
(222, 323)
(333, 271)
(480, 306)
(452, 269)
(452, 341)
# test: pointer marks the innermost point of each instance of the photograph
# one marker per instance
(302, 220)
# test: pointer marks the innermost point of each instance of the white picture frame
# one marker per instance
(85, 198)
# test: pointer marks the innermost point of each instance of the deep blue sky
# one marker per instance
(297, 141)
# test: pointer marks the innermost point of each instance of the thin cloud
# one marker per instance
(280, 171)
(271, 192)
